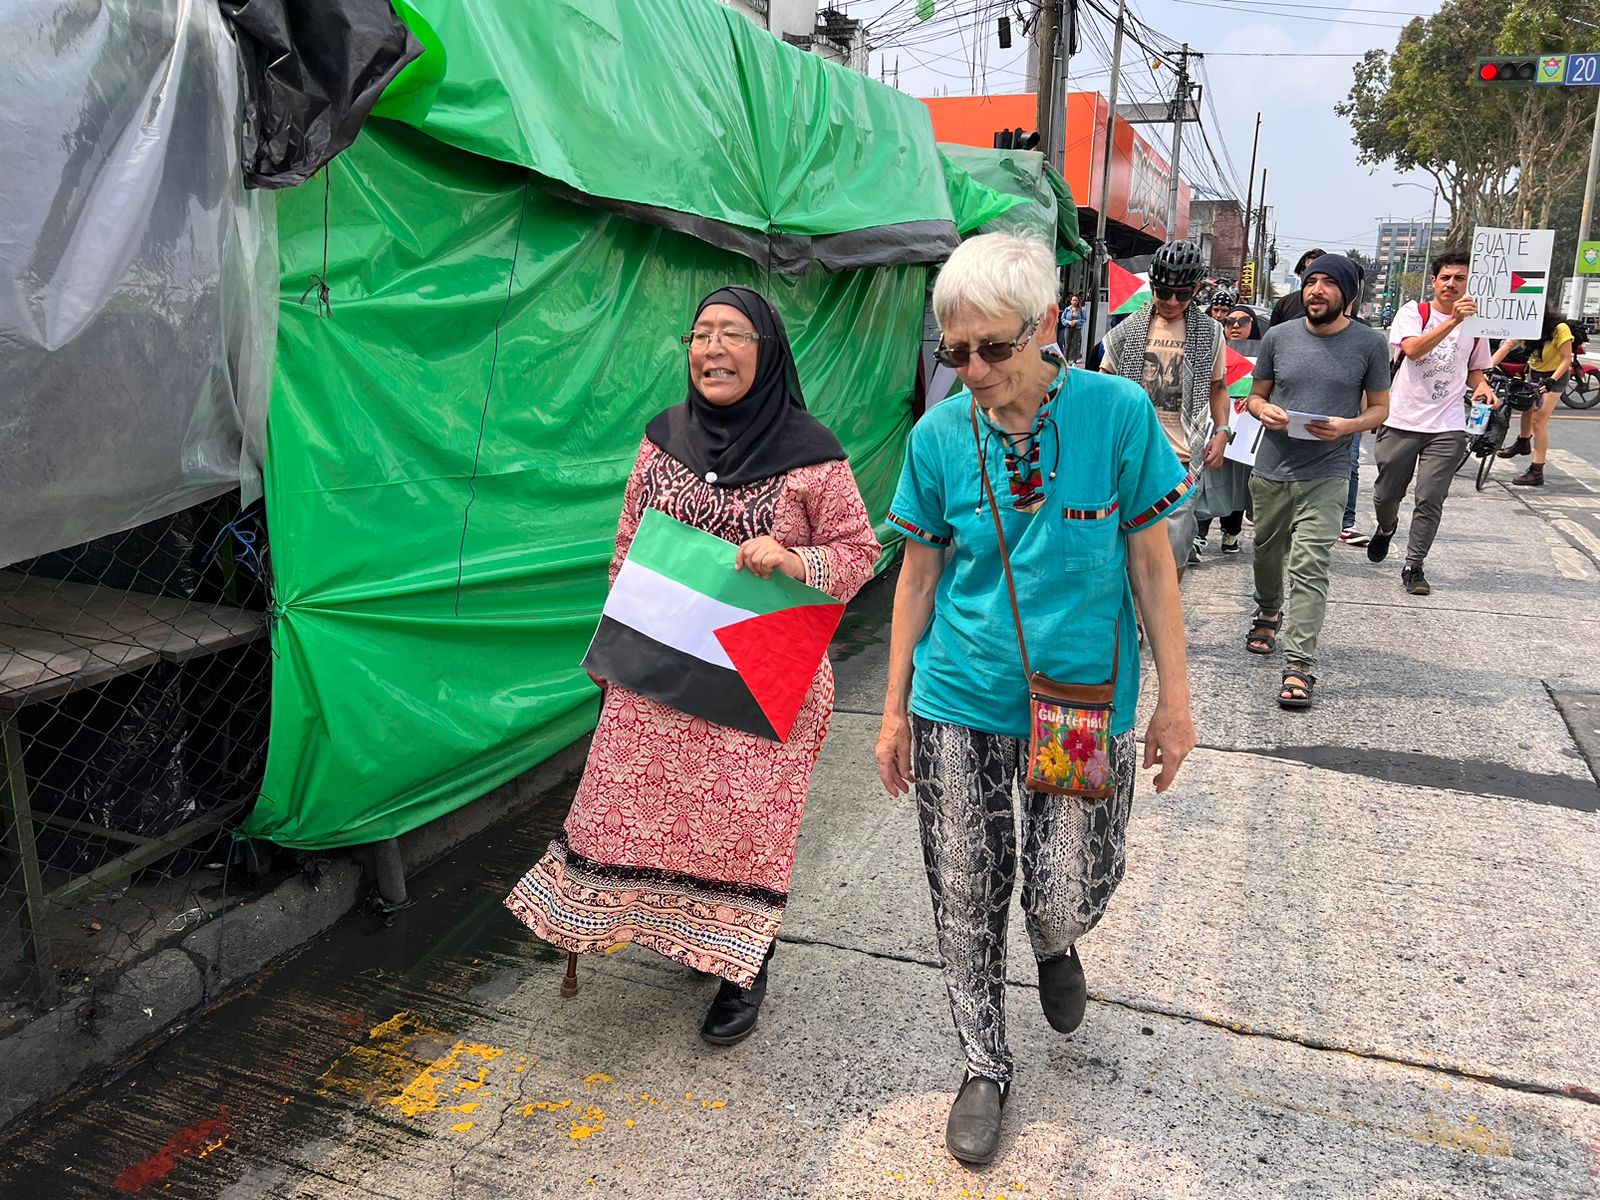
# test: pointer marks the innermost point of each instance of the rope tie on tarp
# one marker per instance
(319, 283)
(483, 416)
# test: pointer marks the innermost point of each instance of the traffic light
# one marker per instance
(1514, 68)
(1016, 139)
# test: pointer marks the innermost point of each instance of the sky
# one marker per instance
(1292, 60)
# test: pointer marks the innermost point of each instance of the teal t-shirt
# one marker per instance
(1114, 474)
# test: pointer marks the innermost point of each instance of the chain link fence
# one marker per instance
(134, 687)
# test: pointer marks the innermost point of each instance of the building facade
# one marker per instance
(1399, 239)
(1217, 227)
(823, 31)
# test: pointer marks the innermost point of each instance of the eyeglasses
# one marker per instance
(1167, 293)
(990, 352)
(1232, 322)
(700, 340)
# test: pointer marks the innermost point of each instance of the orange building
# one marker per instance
(1136, 210)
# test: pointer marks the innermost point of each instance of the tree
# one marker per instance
(1501, 155)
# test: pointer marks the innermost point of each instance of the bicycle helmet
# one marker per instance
(1177, 265)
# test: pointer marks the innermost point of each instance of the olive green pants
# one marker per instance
(1297, 522)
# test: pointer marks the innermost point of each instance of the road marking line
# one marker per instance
(1579, 534)
(1579, 468)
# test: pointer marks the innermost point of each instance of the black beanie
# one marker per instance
(1342, 271)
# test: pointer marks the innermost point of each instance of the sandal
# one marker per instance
(1304, 681)
(1263, 633)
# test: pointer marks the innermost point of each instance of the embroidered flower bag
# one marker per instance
(1070, 750)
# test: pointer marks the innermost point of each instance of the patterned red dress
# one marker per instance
(681, 837)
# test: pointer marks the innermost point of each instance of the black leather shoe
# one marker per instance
(733, 1014)
(972, 1134)
(1063, 991)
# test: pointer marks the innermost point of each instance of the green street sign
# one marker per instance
(1552, 68)
(1589, 258)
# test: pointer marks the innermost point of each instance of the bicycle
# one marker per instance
(1516, 396)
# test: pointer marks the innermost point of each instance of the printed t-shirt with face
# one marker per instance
(1425, 395)
(1325, 374)
(1163, 376)
(1108, 474)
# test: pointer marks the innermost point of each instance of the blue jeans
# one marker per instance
(1355, 482)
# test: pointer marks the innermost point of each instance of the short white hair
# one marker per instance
(998, 275)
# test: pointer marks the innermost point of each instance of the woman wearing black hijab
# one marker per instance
(681, 837)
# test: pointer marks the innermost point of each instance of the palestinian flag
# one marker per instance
(1527, 283)
(1240, 367)
(1128, 284)
(682, 627)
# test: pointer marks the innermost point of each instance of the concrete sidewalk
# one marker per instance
(1354, 956)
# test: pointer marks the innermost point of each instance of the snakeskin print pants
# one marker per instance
(1073, 854)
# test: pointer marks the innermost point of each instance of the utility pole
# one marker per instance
(1427, 255)
(1262, 287)
(1405, 268)
(1055, 146)
(1045, 33)
(1100, 256)
(1179, 113)
(1250, 195)
(1580, 283)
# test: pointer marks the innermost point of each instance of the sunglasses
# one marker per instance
(1167, 293)
(1232, 321)
(990, 352)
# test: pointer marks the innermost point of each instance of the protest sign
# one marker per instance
(1509, 278)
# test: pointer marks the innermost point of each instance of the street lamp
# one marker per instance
(1427, 255)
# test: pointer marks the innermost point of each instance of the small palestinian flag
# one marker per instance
(1128, 285)
(1527, 283)
(682, 627)
(1240, 367)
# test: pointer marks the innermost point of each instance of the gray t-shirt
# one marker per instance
(1316, 373)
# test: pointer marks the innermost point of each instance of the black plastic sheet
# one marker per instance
(312, 72)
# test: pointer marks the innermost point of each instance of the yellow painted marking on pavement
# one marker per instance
(461, 1128)
(599, 1077)
(391, 1027)
(528, 1110)
(426, 1092)
(591, 1123)
(617, 949)
(1472, 1135)
(628, 1122)
(464, 1108)
(385, 1063)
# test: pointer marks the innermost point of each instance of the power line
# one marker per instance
(1287, 16)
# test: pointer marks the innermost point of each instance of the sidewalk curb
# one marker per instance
(90, 1037)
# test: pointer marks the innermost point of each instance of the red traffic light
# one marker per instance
(1507, 69)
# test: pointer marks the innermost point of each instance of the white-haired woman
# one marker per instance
(1080, 476)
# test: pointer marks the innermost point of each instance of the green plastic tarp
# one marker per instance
(446, 453)
(1047, 211)
(974, 204)
(685, 113)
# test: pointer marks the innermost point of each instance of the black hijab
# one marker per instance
(766, 433)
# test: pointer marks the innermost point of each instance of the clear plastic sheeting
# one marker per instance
(138, 279)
